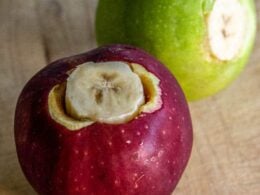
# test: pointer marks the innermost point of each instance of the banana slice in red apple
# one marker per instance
(107, 92)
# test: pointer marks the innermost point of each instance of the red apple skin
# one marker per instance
(145, 156)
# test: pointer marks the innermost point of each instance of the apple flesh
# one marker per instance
(146, 155)
(205, 44)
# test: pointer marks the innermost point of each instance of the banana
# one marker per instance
(107, 92)
(227, 29)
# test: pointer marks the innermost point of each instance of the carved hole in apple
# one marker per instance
(106, 92)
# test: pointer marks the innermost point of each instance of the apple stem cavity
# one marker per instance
(227, 29)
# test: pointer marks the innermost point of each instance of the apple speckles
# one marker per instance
(75, 180)
(153, 159)
(85, 153)
(146, 127)
(116, 182)
(128, 141)
(182, 140)
(178, 126)
(76, 151)
(122, 131)
(91, 167)
(146, 161)
(109, 143)
(138, 133)
(157, 164)
(79, 134)
(160, 153)
(76, 189)
(164, 132)
(170, 118)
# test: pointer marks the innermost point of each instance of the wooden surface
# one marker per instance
(226, 152)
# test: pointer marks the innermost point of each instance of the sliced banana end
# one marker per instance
(227, 29)
(108, 92)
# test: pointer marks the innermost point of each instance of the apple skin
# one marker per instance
(144, 156)
(175, 32)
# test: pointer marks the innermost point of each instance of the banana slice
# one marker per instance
(107, 92)
(227, 28)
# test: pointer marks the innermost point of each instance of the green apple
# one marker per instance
(205, 43)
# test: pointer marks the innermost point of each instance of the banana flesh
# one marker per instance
(107, 92)
(227, 29)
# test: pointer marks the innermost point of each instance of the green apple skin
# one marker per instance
(175, 32)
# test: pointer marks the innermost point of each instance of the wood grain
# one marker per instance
(226, 153)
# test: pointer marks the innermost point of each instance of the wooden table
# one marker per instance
(226, 152)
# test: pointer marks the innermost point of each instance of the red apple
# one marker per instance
(65, 152)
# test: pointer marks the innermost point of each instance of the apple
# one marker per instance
(204, 43)
(110, 121)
